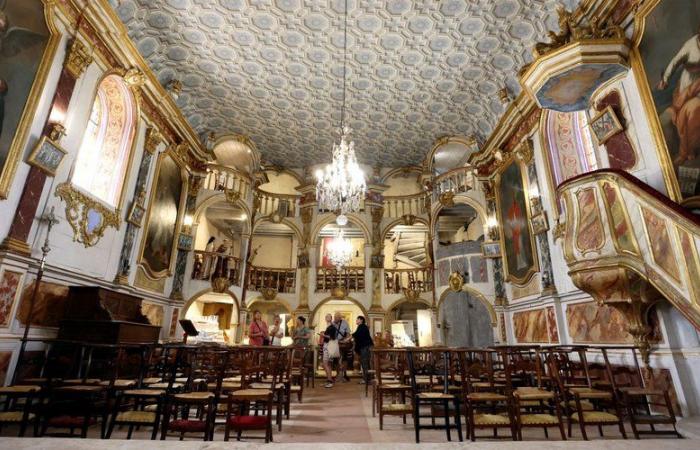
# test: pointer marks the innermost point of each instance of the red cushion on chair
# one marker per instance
(70, 421)
(188, 426)
(249, 422)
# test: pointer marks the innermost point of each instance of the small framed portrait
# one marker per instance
(185, 241)
(540, 224)
(136, 214)
(605, 125)
(47, 156)
(491, 249)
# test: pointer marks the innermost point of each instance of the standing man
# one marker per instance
(344, 337)
(363, 347)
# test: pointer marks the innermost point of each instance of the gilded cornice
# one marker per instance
(100, 26)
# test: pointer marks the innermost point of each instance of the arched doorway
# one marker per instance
(269, 309)
(465, 320)
(214, 315)
(402, 319)
(348, 307)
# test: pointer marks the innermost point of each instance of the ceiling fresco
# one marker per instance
(272, 69)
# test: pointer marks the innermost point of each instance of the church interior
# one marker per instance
(349, 222)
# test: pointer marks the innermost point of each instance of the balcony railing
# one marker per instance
(350, 278)
(283, 204)
(456, 181)
(281, 279)
(222, 178)
(399, 206)
(208, 264)
(419, 280)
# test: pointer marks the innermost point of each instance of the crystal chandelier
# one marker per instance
(341, 187)
(340, 250)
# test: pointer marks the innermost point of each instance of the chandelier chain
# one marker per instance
(345, 66)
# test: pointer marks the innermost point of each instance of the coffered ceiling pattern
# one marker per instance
(272, 69)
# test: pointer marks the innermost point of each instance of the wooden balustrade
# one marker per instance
(222, 178)
(402, 205)
(350, 278)
(285, 205)
(281, 279)
(456, 181)
(208, 264)
(419, 280)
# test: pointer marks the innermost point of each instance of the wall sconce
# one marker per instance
(492, 228)
(187, 222)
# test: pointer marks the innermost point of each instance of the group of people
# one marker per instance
(339, 344)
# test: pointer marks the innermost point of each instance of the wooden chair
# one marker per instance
(19, 407)
(129, 411)
(178, 417)
(389, 367)
(433, 363)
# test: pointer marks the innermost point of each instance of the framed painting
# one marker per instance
(185, 241)
(136, 215)
(491, 249)
(540, 223)
(47, 156)
(665, 63)
(163, 217)
(605, 125)
(520, 258)
(28, 42)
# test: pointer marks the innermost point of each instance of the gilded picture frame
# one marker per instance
(605, 125)
(47, 156)
(491, 249)
(540, 224)
(523, 278)
(136, 214)
(20, 135)
(161, 273)
(641, 57)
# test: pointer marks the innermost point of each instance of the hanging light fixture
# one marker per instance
(341, 187)
(340, 250)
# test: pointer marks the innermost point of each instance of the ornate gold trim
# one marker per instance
(79, 213)
(153, 139)
(78, 58)
(19, 140)
(692, 267)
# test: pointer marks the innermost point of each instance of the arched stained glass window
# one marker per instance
(103, 158)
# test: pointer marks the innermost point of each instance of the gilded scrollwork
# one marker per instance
(87, 217)
(153, 139)
(78, 58)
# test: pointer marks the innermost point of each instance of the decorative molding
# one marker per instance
(78, 58)
(456, 281)
(268, 293)
(88, 217)
(153, 139)
(144, 281)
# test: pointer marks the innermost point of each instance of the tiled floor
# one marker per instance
(342, 414)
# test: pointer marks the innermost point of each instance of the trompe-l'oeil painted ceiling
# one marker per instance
(272, 69)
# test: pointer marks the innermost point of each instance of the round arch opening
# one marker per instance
(409, 323)
(214, 315)
(269, 310)
(348, 307)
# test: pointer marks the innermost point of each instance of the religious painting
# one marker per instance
(605, 125)
(669, 57)
(24, 55)
(518, 245)
(47, 156)
(660, 243)
(162, 224)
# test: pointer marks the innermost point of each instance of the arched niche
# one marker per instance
(217, 217)
(281, 181)
(328, 218)
(460, 222)
(273, 243)
(406, 246)
(466, 318)
(332, 304)
(402, 181)
(354, 231)
(236, 151)
(405, 309)
(449, 153)
(269, 309)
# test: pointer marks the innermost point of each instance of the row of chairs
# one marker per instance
(173, 389)
(512, 388)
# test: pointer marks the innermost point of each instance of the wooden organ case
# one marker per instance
(102, 316)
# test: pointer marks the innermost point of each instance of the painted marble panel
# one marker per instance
(443, 272)
(8, 292)
(49, 307)
(5, 358)
(590, 323)
(621, 154)
(479, 271)
(531, 326)
(173, 321)
(618, 217)
(153, 312)
(660, 243)
(691, 261)
(660, 380)
(552, 331)
(590, 234)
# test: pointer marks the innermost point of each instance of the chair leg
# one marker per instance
(416, 420)
(447, 419)
(458, 421)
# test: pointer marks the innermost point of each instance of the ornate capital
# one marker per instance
(408, 219)
(446, 199)
(525, 151)
(134, 77)
(377, 214)
(87, 217)
(268, 293)
(153, 139)
(78, 58)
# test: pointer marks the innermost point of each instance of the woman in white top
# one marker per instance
(276, 332)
